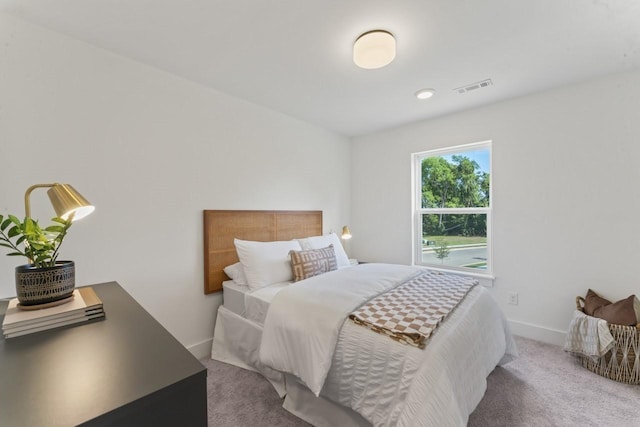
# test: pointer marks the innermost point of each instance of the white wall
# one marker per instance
(151, 151)
(566, 167)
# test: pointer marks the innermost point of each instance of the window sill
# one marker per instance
(485, 279)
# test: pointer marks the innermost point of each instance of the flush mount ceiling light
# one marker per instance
(425, 93)
(374, 49)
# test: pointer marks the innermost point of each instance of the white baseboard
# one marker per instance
(538, 333)
(202, 349)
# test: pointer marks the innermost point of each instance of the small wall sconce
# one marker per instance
(346, 233)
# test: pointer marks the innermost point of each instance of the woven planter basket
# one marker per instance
(622, 362)
(35, 286)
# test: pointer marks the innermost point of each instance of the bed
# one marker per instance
(369, 379)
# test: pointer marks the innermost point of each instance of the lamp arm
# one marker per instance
(27, 194)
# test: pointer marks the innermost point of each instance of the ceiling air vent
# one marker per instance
(473, 86)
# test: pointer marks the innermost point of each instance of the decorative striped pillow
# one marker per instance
(312, 262)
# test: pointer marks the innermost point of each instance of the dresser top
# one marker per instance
(74, 374)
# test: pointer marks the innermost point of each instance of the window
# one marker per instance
(452, 208)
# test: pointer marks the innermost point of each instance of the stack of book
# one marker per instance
(83, 307)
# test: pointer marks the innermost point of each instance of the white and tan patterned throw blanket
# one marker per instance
(588, 336)
(411, 312)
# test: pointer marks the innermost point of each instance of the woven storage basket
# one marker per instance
(622, 362)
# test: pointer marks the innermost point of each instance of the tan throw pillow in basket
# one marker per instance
(593, 301)
(624, 312)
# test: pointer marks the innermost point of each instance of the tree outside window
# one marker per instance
(453, 207)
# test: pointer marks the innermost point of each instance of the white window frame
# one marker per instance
(418, 210)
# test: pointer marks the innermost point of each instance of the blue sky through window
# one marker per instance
(480, 156)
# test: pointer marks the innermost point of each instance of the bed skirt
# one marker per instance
(236, 341)
(319, 411)
(241, 348)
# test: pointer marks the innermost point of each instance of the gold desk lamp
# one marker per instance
(65, 200)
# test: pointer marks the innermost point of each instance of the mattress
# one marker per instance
(233, 296)
(256, 303)
(244, 302)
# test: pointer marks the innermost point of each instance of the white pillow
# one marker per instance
(266, 263)
(319, 242)
(236, 273)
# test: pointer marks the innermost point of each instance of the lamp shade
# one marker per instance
(346, 233)
(374, 49)
(66, 201)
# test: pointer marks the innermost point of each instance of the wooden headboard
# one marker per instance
(221, 227)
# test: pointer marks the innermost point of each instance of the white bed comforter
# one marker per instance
(303, 322)
(388, 383)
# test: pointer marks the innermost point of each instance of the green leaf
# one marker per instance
(41, 244)
(13, 231)
(30, 226)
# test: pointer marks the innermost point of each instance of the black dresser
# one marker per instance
(124, 370)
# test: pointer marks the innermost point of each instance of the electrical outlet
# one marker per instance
(513, 298)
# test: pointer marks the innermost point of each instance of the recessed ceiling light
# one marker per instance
(374, 49)
(425, 93)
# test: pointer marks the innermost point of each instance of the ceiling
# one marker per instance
(294, 56)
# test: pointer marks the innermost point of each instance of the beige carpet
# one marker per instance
(543, 387)
(546, 386)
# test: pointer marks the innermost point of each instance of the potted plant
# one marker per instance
(44, 279)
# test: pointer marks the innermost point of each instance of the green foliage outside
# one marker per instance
(456, 184)
(453, 240)
(41, 246)
(442, 251)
